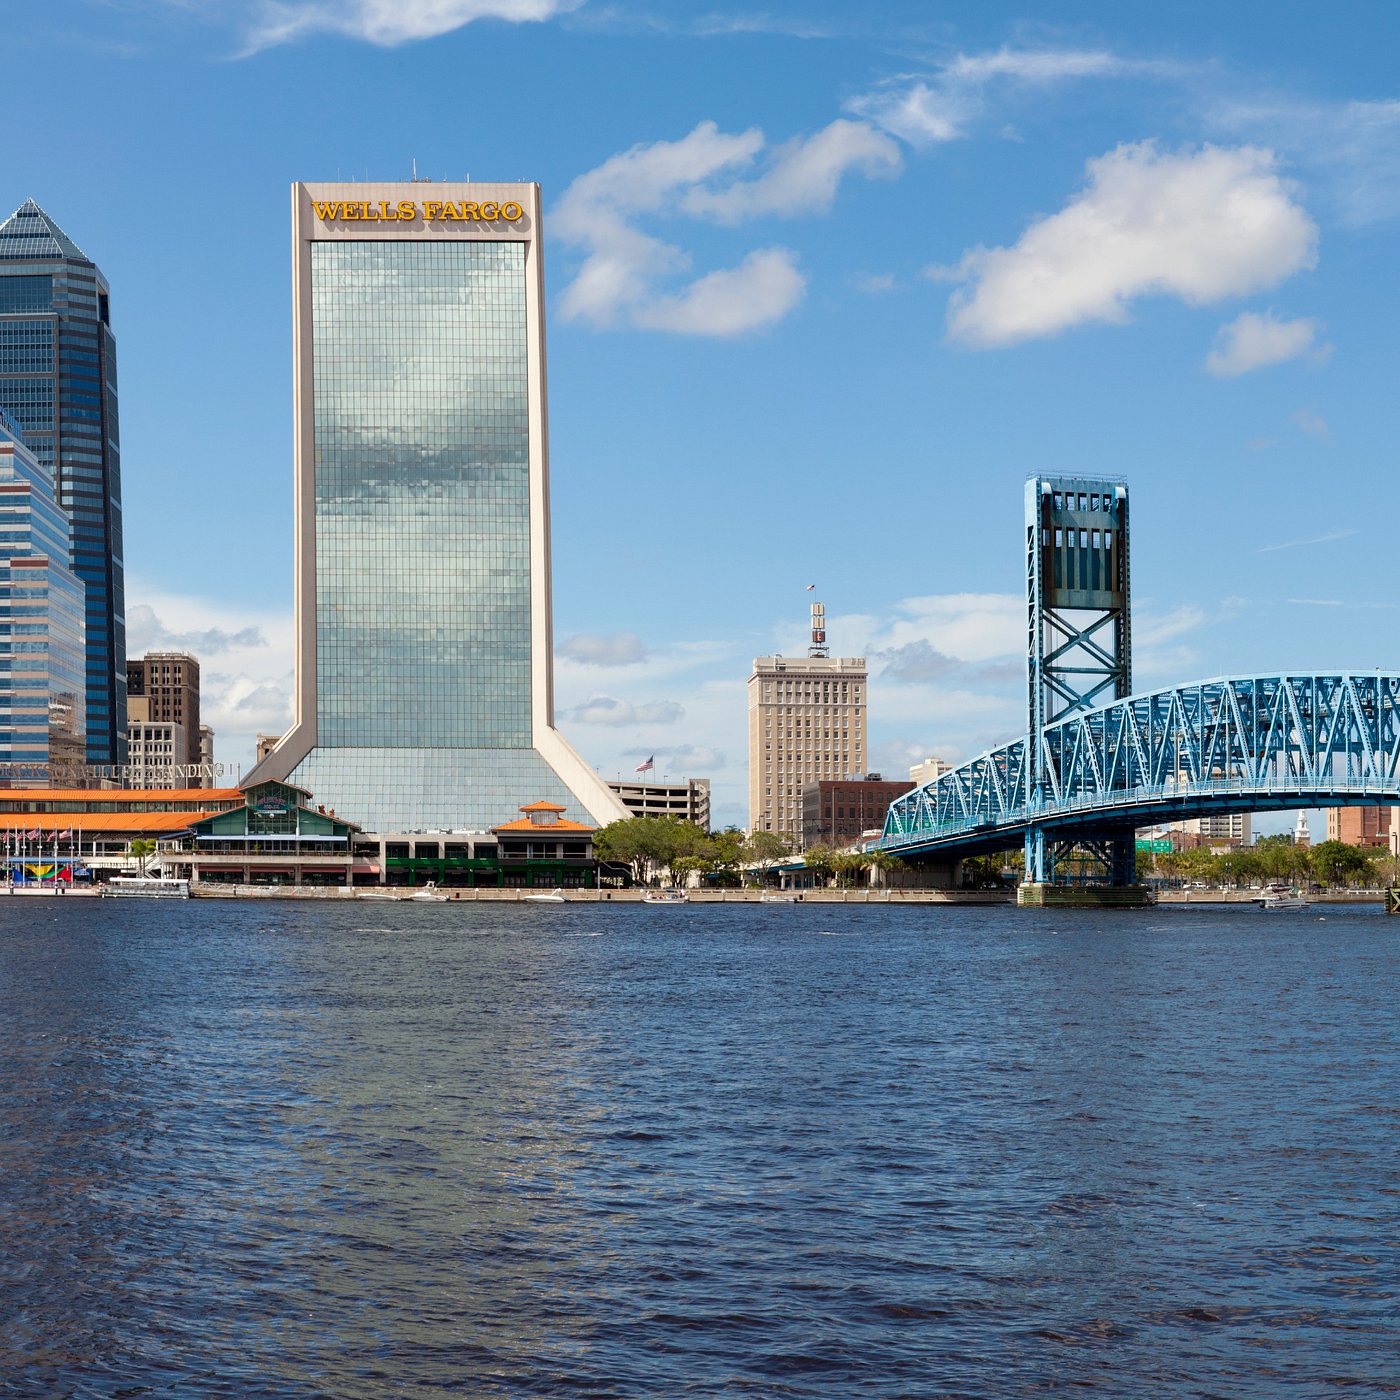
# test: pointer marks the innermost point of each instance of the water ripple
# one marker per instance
(288, 1152)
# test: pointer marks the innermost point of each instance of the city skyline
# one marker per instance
(764, 293)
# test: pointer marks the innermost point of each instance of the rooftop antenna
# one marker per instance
(415, 170)
(818, 647)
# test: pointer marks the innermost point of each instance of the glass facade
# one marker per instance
(42, 714)
(58, 380)
(420, 397)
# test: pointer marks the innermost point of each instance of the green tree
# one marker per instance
(821, 861)
(765, 849)
(723, 854)
(1336, 863)
(649, 845)
(141, 850)
(848, 865)
(886, 864)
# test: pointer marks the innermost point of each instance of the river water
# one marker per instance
(388, 1150)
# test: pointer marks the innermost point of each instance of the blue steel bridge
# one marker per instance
(1096, 761)
(1234, 744)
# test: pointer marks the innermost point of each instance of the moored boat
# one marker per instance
(665, 897)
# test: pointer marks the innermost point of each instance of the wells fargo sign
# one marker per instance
(407, 210)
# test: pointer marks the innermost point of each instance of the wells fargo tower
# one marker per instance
(424, 693)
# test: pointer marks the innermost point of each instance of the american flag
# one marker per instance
(647, 766)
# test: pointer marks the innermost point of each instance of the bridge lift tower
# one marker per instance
(1079, 638)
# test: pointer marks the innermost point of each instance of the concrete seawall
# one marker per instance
(517, 896)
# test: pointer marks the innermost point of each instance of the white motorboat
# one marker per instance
(554, 897)
(665, 897)
(1277, 897)
(375, 894)
(430, 894)
(777, 899)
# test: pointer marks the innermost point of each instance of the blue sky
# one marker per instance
(826, 283)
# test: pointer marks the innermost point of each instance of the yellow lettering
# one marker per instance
(384, 210)
(511, 211)
(364, 210)
(490, 212)
(349, 211)
(324, 210)
(406, 210)
(432, 209)
(469, 211)
(449, 211)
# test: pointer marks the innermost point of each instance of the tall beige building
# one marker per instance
(807, 722)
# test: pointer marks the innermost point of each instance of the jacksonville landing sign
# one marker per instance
(431, 211)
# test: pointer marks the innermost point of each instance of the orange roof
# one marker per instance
(543, 807)
(89, 823)
(525, 824)
(121, 795)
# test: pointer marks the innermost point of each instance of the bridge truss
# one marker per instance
(1234, 744)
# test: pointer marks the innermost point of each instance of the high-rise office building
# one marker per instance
(1359, 826)
(41, 602)
(807, 722)
(58, 378)
(424, 693)
(163, 728)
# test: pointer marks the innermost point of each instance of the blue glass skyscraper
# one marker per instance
(58, 380)
(41, 616)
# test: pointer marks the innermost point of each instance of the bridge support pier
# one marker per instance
(1039, 865)
(1051, 877)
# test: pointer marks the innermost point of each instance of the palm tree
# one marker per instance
(141, 850)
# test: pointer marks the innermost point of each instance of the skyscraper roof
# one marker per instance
(30, 234)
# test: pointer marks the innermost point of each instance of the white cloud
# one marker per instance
(929, 109)
(608, 709)
(874, 283)
(1329, 538)
(146, 632)
(592, 649)
(627, 276)
(804, 175)
(245, 655)
(1313, 424)
(388, 23)
(1351, 150)
(1252, 341)
(757, 293)
(1201, 225)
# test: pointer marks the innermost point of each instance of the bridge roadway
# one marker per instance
(1232, 744)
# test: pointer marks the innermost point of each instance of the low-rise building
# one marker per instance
(86, 833)
(838, 813)
(687, 800)
(272, 837)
